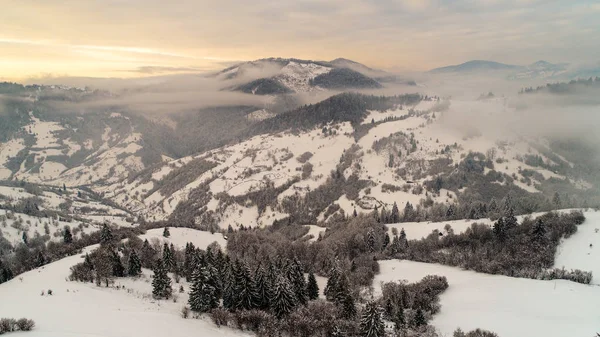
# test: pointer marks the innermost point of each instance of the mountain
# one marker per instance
(474, 66)
(275, 76)
(541, 69)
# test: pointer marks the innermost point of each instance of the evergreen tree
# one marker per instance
(343, 299)
(188, 260)
(395, 216)
(389, 309)
(451, 212)
(229, 296)
(312, 288)
(510, 221)
(106, 235)
(371, 240)
(283, 300)
(499, 229)
(5, 273)
(147, 254)
(134, 265)
(246, 297)
(161, 284)
(399, 319)
(117, 267)
(295, 275)
(67, 236)
(419, 318)
(263, 288)
(40, 259)
(87, 261)
(538, 232)
(493, 205)
(386, 240)
(331, 286)
(166, 232)
(409, 212)
(203, 294)
(25, 238)
(508, 206)
(371, 323)
(354, 214)
(168, 259)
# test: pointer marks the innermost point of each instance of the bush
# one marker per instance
(7, 325)
(25, 324)
(220, 317)
(185, 312)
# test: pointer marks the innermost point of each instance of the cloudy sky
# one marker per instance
(127, 38)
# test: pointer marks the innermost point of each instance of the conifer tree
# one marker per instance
(161, 284)
(6, 273)
(343, 299)
(395, 216)
(229, 296)
(283, 300)
(399, 319)
(67, 236)
(106, 235)
(389, 309)
(499, 229)
(510, 221)
(245, 290)
(386, 240)
(331, 286)
(371, 240)
(166, 232)
(312, 288)
(538, 232)
(450, 212)
(556, 200)
(419, 318)
(25, 238)
(168, 259)
(263, 288)
(134, 265)
(147, 255)
(117, 267)
(371, 323)
(203, 294)
(409, 212)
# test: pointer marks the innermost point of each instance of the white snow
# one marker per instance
(315, 231)
(84, 310)
(180, 236)
(508, 306)
(576, 252)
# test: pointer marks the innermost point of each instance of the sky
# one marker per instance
(132, 38)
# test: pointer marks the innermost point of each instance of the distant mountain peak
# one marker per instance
(474, 65)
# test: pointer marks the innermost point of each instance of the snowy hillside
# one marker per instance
(505, 305)
(83, 309)
(397, 159)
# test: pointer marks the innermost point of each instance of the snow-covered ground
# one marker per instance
(84, 310)
(508, 306)
(582, 250)
(181, 236)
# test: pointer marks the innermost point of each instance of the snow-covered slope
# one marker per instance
(508, 306)
(82, 309)
(582, 250)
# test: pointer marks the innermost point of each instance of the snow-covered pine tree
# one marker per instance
(399, 320)
(166, 232)
(371, 323)
(370, 240)
(106, 235)
(203, 294)
(263, 288)
(161, 284)
(500, 229)
(295, 275)
(168, 259)
(395, 216)
(134, 265)
(538, 233)
(510, 221)
(67, 235)
(117, 266)
(245, 289)
(331, 286)
(312, 288)
(386, 240)
(283, 300)
(343, 299)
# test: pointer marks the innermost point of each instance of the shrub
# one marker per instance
(185, 312)
(25, 324)
(220, 317)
